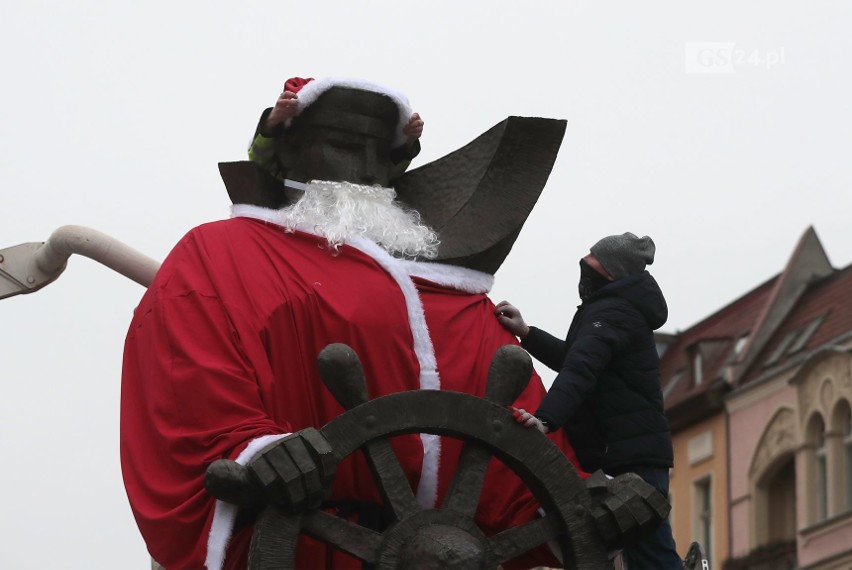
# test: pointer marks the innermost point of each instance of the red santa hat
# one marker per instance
(309, 90)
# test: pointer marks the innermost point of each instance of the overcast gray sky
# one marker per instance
(721, 129)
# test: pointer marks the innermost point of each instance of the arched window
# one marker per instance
(846, 426)
(781, 499)
(821, 471)
(840, 457)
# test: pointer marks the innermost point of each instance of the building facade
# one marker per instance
(759, 398)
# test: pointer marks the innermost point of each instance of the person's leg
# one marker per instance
(656, 551)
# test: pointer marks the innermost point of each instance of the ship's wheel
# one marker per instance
(446, 536)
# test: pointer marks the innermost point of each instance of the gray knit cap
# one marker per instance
(625, 254)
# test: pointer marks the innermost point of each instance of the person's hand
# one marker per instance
(413, 129)
(295, 472)
(285, 108)
(625, 508)
(511, 319)
(529, 420)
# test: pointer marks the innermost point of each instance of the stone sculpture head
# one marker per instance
(345, 135)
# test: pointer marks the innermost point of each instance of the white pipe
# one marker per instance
(68, 240)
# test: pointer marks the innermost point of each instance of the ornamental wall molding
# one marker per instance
(779, 438)
(825, 378)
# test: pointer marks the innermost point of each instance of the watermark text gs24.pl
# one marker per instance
(727, 57)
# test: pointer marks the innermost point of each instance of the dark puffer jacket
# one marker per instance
(607, 394)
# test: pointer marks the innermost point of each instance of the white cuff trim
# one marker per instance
(225, 514)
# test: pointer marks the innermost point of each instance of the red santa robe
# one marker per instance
(220, 359)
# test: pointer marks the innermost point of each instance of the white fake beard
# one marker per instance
(339, 211)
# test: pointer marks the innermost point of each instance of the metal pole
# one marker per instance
(28, 267)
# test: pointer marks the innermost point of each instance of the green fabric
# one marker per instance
(398, 170)
(262, 152)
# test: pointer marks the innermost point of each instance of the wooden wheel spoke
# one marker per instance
(393, 484)
(273, 544)
(517, 540)
(351, 538)
(463, 494)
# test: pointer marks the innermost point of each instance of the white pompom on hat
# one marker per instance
(309, 90)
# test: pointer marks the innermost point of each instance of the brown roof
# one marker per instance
(820, 317)
(716, 336)
(776, 322)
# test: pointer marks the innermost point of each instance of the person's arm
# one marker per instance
(401, 156)
(545, 348)
(602, 334)
(270, 127)
(262, 148)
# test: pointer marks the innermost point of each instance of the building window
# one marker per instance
(740, 344)
(781, 508)
(820, 454)
(781, 348)
(703, 514)
(847, 452)
(697, 368)
(673, 383)
(806, 335)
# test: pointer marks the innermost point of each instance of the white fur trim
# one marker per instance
(427, 489)
(256, 212)
(400, 271)
(312, 90)
(225, 514)
(423, 348)
(453, 276)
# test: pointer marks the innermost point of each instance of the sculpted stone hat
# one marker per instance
(309, 89)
